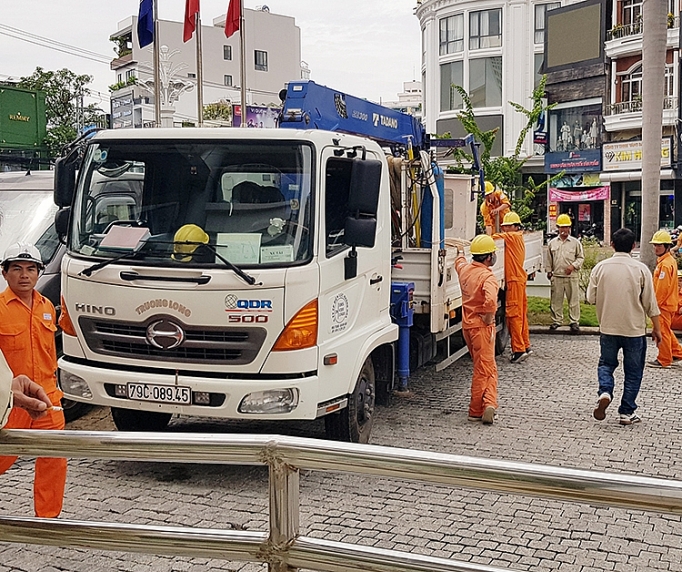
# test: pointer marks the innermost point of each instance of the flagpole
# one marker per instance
(242, 64)
(200, 74)
(157, 79)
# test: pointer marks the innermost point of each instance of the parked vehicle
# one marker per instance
(263, 273)
(27, 212)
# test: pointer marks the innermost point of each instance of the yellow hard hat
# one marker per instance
(482, 244)
(489, 187)
(187, 239)
(563, 220)
(661, 237)
(511, 218)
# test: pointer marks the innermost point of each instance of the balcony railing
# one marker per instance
(634, 28)
(635, 106)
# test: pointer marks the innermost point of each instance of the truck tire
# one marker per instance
(134, 420)
(74, 409)
(354, 423)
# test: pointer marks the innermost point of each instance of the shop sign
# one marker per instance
(627, 155)
(584, 195)
(573, 161)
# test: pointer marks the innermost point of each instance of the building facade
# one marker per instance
(273, 58)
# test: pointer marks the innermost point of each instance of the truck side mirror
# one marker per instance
(365, 185)
(360, 231)
(61, 222)
(64, 181)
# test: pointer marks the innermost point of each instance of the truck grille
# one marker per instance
(234, 346)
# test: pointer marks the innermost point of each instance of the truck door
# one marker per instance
(349, 308)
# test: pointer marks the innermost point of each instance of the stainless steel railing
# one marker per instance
(283, 548)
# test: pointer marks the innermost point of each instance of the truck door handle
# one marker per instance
(375, 280)
(130, 276)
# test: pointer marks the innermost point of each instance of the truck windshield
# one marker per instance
(248, 201)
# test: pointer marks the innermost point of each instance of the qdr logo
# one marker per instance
(235, 304)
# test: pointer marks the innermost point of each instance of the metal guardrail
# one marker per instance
(283, 548)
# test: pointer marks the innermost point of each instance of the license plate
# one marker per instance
(159, 393)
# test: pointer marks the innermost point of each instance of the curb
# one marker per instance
(564, 331)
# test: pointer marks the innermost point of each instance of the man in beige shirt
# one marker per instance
(564, 258)
(623, 290)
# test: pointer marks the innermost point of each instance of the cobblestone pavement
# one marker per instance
(545, 417)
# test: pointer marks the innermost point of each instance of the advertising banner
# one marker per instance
(256, 116)
(573, 161)
(583, 195)
(627, 155)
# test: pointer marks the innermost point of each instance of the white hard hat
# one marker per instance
(23, 252)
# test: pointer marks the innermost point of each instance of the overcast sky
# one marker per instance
(367, 48)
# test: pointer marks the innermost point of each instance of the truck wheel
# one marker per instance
(133, 420)
(354, 423)
(74, 409)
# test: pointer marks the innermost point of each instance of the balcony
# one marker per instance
(628, 114)
(626, 39)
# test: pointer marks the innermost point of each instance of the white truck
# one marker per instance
(254, 273)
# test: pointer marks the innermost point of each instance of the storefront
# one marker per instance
(584, 200)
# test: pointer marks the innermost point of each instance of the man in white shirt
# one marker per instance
(623, 290)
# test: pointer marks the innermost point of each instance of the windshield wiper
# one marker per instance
(250, 280)
(95, 267)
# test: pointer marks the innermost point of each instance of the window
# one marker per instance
(337, 189)
(540, 10)
(669, 80)
(631, 85)
(452, 34)
(485, 29)
(539, 59)
(130, 74)
(227, 52)
(261, 60)
(451, 74)
(227, 80)
(632, 12)
(191, 75)
(485, 82)
(119, 77)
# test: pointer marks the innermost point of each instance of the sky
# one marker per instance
(366, 48)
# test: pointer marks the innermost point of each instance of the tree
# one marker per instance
(505, 172)
(653, 90)
(66, 114)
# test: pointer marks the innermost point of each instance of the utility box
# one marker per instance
(460, 210)
(23, 124)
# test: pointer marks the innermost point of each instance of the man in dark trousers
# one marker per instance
(623, 290)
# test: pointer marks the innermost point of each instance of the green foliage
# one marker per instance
(594, 253)
(505, 172)
(64, 91)
(122, 45)
(221, 110)
(123, 83)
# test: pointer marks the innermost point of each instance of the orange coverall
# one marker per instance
(516, 302)
(677, 317)
(479, 296)
(28, 344)
(665, 287)
(498, 199)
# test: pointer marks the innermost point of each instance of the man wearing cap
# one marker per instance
(27, 329)
(479, 304)
(665, 287)
(494, 207)
(516, 302)
(564, 258)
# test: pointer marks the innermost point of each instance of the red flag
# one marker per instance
(191, 10)
(233, 17)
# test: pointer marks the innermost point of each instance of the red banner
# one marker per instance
(593, 194)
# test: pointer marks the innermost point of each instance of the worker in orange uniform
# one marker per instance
(495, 205)
(665, 287)
(516, 301)
(677, 316)
(479, 304)
(27, 329)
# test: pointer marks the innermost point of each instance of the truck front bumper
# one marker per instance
(258, 398)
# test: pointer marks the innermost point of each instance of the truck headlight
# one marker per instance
(74, 385)
(270, 402)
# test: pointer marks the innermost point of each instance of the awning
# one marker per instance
(618, 176)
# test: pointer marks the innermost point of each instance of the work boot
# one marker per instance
(575, 328)
(554, 327)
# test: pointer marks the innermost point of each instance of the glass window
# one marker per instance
(575, 128)
(227, 52)
(632, 11)
(227, 80)
(485, 82)
(337, 182)
(451, 34)
(261, 60)
(485, 29)
(631, 86)
(130, 74)
(539, 59)
(540, 10)
(451, 74)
